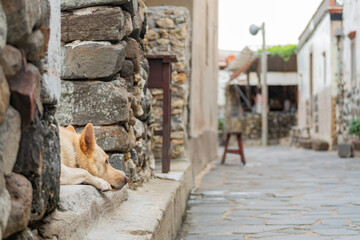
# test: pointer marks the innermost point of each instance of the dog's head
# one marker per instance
(96, 161)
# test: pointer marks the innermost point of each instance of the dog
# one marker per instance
(84, 162)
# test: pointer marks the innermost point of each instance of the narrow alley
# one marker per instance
(282, 193)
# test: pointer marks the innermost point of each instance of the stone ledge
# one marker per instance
(154, 211)
(80, 208)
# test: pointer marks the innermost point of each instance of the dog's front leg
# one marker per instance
(71, 176)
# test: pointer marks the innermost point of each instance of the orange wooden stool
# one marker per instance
(239, 151)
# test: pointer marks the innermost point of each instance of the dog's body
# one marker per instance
(83, 161)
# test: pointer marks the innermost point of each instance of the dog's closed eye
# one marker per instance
(106, 161)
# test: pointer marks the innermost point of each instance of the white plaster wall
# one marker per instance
(51, 84)
(319, 42)
(223, 78)
(351, 18)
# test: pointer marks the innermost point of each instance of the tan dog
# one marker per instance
(83, 161)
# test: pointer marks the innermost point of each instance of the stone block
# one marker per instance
(345, 150)
(320, 145)
(100, 103)
(117, 161)
(111, 138)
(21, 197)
(33, 45)
(21, 17)
(4, 95)
(44, 20)
(38, 160)
(133, 53)
(166, 23)
(92, 60)
(27, 234)
(305, 143)
(94, 23)
(10, 61)
(10, 132)
(5, 208)
(3, 28)
(23, 91)
(75, 4)
(127, 69)
(138, 128)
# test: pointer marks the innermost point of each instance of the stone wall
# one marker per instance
(249, 124)
(104, 73)
(169, 33)
(29, 91)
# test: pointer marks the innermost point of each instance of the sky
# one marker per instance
(284, 21)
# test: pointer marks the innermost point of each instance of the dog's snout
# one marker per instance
(126, 180)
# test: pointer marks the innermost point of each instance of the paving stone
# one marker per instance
(292, 194)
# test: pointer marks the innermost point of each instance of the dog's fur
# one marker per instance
(83, 161)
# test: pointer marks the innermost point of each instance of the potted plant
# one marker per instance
(354, 129)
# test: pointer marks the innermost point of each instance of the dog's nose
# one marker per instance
(126, 180)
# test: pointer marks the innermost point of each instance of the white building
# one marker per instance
(351, 59)
(317, 61)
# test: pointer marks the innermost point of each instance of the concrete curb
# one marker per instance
(154, 211)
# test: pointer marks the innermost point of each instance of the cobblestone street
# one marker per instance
(282, 193)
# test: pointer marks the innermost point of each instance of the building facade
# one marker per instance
(317, 61)
(350, 99)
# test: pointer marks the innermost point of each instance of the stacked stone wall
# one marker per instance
(349, 105)
(29, 140)
(104, 74)
(249, 124)
(169, 33)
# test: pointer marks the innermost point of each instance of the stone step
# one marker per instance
(154, 211)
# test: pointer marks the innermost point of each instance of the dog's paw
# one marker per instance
(104, 185)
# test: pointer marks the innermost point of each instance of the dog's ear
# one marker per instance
(87, 139)
(71, 128)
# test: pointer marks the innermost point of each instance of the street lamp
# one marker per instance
(254, 29)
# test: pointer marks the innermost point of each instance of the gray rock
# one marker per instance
(27, 234)
(95, 23)
(138, 129)
(5, 207)
(21, 196)
(100, 103)
(10, 60)
(117, 161)
(38, 86)
(134, 156)
(111, 138)
(4, 95)
(75, 4)
(3, 28)
(33, 45)
(133, 53)
(127, 28)
(10, 132)
(91, 60)
(127, 69)
(21, 16)
(44, 20)
(38, 160)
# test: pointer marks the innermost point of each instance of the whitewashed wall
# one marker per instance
(351, 18)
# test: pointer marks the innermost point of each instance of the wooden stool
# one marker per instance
(239, 151)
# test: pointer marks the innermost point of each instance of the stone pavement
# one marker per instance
(282, 193)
